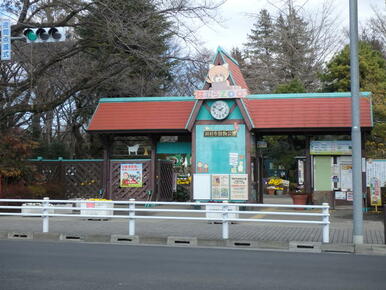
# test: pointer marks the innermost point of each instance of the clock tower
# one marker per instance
(221, 136)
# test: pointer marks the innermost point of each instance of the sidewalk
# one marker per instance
(340, 227)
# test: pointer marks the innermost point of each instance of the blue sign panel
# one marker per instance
(220, 149)
(5, 39)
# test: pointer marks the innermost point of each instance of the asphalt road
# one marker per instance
(70, 265)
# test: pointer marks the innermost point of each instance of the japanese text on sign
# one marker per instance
(131, 175)
(5, 39)
(220, 94)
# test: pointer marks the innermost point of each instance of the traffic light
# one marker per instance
(50, 34)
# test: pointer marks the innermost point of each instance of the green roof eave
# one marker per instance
(305, 95)
(146, 99)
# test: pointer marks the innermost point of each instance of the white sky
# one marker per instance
(238, 20)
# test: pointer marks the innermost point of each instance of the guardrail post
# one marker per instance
(326, 225)
(45, 214)
(131, 214)
(225, 222)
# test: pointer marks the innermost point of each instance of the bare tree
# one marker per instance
(290, 44)
(124, 54)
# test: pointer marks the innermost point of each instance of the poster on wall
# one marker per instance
(131, 175)
(300, 172)
(239, 186)
(375, 192)
(341, 195)
(376, 168)
(350, 196)
(346, 176)
(201, 186)
(220, 186)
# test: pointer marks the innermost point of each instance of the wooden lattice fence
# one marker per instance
(165, 181)
(76, 178)
(84, 179)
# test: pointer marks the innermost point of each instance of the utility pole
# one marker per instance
(356, 127)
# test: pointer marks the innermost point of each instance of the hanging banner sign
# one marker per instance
(375, 192)
(220, 94)
(131, 175)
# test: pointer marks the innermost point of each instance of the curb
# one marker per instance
(292, 246)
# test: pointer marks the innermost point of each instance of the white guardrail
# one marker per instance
(221, 212)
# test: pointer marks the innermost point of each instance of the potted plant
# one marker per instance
(271, 190)
(298, 194)
(277, 184)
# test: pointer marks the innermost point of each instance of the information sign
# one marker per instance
(5, 39)
(375, 192)
(239, 186)
(376, 168)
(131, 175)
(331, 148)
(220, 186)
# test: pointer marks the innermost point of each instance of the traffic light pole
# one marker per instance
(356, 127)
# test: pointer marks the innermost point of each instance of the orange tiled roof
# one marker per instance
(124, 114)
(307, 112)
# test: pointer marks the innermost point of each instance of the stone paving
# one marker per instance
(340, 227)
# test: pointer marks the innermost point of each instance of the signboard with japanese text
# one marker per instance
(331, 148)
(340, 195)
(346, 176)
(220, 186)
(239, 186)
(220, 94)
(131, 175)
(375, 192)
(5, 39)
(376, 168)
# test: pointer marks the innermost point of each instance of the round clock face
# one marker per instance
(219, 110)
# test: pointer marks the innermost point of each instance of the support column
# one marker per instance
(107, 145)
(248, 163)
(153, 166)
(308, 167)
(259, 172)
(193, 167)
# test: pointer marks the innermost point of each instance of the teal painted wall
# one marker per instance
(204, 114)
(174, 148)
(214, 151)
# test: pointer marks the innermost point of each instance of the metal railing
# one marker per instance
(216, 212)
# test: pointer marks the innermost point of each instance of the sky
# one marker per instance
(238, 19)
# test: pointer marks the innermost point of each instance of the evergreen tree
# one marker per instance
(259, 50)
(287, 47)
(135, 38)
(372, 67)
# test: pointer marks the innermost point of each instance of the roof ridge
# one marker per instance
(223, 51)
(146, 99)
(305, 95)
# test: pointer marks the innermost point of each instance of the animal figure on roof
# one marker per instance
(218, 76)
